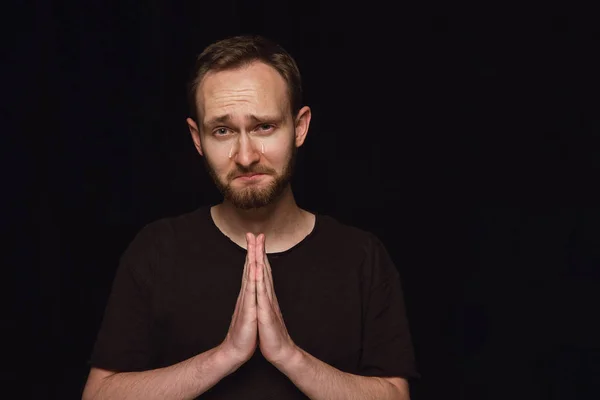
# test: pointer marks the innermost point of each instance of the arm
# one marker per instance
(185, 380)
(194, 376)
(320, 381)
(316, 379)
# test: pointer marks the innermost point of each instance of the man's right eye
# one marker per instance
(220, 131)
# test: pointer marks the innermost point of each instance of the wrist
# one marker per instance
(290, 361)
(227, 360)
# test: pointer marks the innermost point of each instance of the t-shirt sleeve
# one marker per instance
(387, 349)
(125, 338)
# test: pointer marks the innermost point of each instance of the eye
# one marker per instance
(220, 131)
(265, 127)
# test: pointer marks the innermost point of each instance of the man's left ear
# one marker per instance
(302, 124)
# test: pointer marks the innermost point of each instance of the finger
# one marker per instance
(249, 301)
(269, 283)
(268, 272)
(245, 273)
(245, 278)
(265, 309)
(260, 258)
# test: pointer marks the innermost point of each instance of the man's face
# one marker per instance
(246, 127)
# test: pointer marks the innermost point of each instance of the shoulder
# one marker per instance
(180, 224)
(347, 236)
(348, 242)
(155, 242)
(165, 232)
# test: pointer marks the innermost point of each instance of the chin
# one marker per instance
(248, 198)
(250, 202)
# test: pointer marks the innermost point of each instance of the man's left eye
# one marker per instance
(265, 127)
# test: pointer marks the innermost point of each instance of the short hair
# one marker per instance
(239, 51)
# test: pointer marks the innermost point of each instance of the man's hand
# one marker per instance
(275, 343)
(241, 339)
(257, 316)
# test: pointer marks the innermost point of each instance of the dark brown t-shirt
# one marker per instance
(177, 284)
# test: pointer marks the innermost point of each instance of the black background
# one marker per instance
(465, 137)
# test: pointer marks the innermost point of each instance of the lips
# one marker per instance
(249, 176)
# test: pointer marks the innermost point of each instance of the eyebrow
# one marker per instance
(220, 119)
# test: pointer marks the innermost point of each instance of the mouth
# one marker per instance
(248, 177)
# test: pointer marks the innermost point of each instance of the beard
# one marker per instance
(250, 197)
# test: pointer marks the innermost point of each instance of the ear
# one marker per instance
(302, 124)
(195, 132)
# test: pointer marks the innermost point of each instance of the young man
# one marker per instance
(320, 301)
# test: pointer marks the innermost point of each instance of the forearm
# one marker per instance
(185, 380)
(320, 381)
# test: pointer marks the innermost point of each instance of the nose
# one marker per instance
(245, 152)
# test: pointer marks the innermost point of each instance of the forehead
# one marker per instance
(254, 89)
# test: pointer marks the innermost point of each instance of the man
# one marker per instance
(319, 300)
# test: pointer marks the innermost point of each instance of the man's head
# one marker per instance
(245, 102)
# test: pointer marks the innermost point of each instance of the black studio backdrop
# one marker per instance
(466, 139)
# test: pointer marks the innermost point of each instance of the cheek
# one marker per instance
(275, 149)
(218, 158)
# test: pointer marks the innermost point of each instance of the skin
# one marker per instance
(255, 99)
(260, 135)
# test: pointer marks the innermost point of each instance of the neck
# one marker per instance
(275, 219)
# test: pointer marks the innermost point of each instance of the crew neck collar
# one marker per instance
(242, 250)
